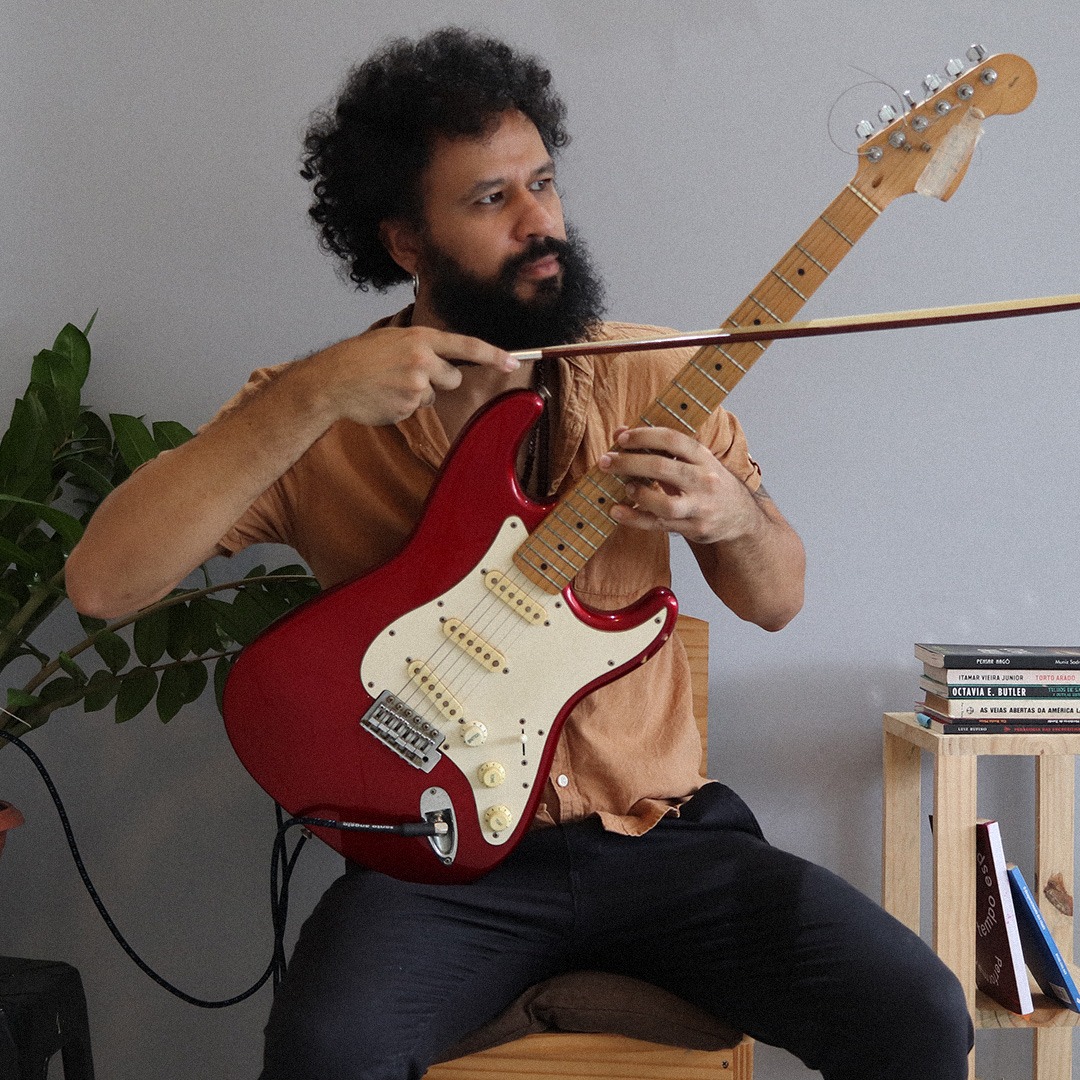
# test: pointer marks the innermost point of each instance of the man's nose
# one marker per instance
(536, 217)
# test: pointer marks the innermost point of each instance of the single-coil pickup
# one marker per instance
(473, 645)
(435, 690)
(514, 597)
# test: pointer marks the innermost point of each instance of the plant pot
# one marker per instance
(9, 819)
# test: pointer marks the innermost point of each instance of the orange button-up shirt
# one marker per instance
(630, 751)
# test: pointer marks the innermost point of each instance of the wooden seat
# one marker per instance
(590, 1025)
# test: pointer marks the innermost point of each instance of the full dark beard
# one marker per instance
(562, 309)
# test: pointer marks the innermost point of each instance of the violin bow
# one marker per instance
(854, 324)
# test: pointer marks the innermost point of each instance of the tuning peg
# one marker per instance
(932, 84)
(864, 129)
(976, 54)
(910, 99)
(954, 68)
(886, 114)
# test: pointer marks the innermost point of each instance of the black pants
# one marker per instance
(387, 974)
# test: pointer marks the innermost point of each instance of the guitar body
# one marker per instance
(334, 707)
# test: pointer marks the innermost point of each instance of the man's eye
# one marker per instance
(490, 199)
(541, 185)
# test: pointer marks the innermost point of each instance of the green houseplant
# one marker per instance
(58, 461)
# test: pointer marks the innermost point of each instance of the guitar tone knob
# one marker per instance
(498, 818)
(474, 734)
(492, 774)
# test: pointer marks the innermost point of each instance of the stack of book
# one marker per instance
(1011, 935)
(995, 689)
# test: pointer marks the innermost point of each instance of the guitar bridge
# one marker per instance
(404, 731)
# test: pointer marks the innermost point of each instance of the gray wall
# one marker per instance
(149, 171)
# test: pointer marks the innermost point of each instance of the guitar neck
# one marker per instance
(574, 531)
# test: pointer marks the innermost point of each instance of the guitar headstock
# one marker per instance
(929, 147)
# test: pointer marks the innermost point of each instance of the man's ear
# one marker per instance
(402, 241)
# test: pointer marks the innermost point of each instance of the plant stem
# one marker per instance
(51, 590)
(53, 666)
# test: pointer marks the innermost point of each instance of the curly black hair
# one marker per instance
(367, 151)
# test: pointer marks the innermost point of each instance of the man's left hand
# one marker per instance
(673, 483)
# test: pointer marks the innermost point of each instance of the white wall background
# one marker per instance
(150, 171)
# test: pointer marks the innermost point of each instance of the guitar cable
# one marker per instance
(282, 863)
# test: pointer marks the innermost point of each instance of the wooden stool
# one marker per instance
(42, 1010)
(589, 1025)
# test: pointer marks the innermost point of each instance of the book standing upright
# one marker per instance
(1000, 970)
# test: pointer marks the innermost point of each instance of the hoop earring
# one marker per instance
(415, 285)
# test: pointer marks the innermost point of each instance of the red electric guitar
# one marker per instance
(435, 687)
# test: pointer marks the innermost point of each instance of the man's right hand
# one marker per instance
(384, 375)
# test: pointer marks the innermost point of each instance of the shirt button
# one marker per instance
(562, 780)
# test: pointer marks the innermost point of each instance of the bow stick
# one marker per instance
(890, 320)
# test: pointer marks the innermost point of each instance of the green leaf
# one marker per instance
(292, 570)
(133, 440)
(100, 690)
(71, 667)
(88, 475)
(179, 632)
(93, 319)
(12, 553)
(63, 688)
(171, 693)
(96, 432)
(198, 677)
(58, 371)
(181, 684)
(71, 342)
(169, 434)
(137, 689)
(151, 635)
(90, 624)
(26, 451)
(69, 528)
(204, 632)
(253, 611)
(113, 649)
(221, 675)
(20, 699)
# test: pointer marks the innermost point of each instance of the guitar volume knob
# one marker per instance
(492, 774)
(474, 733)
(498, 818)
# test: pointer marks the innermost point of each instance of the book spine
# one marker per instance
(1041, 691)
(983, 659)
(1037, 676)
(965, 727)
(995, 709)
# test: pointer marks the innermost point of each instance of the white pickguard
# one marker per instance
(546, 663)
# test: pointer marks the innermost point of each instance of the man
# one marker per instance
(436, 165)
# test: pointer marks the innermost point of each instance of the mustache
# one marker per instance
(538, 248)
